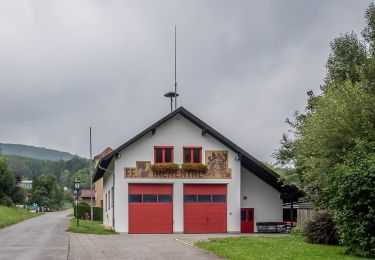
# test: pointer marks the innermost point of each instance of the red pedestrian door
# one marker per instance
(247, 220)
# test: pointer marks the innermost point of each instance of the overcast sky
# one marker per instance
(242, 67)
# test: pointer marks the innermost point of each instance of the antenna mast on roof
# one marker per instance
(173, 94)
(175, 68)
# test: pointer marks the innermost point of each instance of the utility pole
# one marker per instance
(91, 173)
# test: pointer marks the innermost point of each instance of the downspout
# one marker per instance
(291, 210)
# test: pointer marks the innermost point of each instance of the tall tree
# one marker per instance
(7, 182)
(46, 192)
(338, 117)
(332, 141)
(346, 61)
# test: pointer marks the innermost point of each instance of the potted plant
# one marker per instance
(165, 167)
(194, 167)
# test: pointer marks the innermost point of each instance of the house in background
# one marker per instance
(98, 185)
(98, 188)
(26, 184)
(86, 195)
(217, 188)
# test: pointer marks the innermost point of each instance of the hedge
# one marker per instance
(98, 212)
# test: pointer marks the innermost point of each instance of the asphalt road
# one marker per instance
(42, 237)
(45, 237)
(138, 247)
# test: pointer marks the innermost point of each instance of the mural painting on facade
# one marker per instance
(217, 163)
(143, 169)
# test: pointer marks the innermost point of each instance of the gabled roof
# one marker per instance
(87, 193)
(247, 161)
(105, 152)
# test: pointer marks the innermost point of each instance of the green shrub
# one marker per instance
(6, 201)
(18, 195)
(83, 203)
(165, 167)
(296, 231)
(352, 199)
(98, 212)
(194, 167)
(321, 229)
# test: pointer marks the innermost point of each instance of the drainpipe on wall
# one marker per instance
(291, 210)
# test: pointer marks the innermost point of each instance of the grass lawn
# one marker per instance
(84, 227)
(12, 215)
(271, 248)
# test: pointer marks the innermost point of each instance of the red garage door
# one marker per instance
(205, 208)
(150, 208)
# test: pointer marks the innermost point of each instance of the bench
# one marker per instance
(272, 227)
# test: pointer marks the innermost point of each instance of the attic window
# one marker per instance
(163, 154)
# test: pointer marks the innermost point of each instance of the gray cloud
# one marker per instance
(243, 66)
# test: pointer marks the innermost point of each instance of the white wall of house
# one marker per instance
(107, 186)
(177, 132)
(268, 207)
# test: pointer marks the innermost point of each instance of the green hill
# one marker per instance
(33, 152)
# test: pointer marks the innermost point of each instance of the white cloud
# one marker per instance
(243, 66)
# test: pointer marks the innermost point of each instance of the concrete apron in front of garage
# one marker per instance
(145, 246)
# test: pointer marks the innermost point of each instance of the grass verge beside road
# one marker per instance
(12, 215)
(85, 227)
(241, 248)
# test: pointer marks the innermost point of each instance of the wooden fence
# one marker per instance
(304, 215)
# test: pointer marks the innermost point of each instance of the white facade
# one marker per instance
(26, 184)
(107, 189)
(266, 201)
(179, 132)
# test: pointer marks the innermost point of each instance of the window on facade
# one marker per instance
(164, 198)
(113, 199)
(192, 154)
(149, 198)
(135, 198)
(163, 154)
(106, 202)
(109, 199)
(219, 198)
(243, 215)
(205, 198)
(190, 198)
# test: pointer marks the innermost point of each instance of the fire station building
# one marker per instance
(182, 176)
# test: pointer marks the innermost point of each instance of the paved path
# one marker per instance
(42, 237)
(171, 246)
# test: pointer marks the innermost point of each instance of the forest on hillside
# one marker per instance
(40, 153)
(64, 171)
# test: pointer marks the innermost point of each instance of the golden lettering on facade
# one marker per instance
(132, 173)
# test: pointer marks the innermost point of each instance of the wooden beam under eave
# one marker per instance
(204, 131)
(153, 131)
